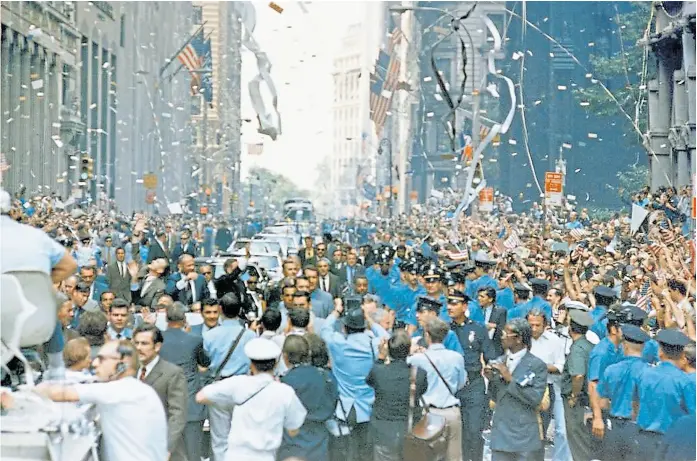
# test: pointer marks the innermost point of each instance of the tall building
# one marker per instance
(217, 128)
(432, 162)
(353, 157)
(84, 80)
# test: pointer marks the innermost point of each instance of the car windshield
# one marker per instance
(265, 262)
(259, 246)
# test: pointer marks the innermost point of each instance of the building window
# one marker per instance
(198, 15)
(122, 38)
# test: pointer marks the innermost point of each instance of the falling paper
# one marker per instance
(37, 84)
(592, 135)
(277, 8)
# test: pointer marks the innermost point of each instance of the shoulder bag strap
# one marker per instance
(439, 374)
(412, 399)
(229, 354)
(252, 396)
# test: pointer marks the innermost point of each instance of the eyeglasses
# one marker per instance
(206, 273)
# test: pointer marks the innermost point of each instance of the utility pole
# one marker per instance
(204, 142)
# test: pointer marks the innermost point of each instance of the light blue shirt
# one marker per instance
(217, 343)
(665, 394)
(451, 365)
(322, 303)
(352, 358)
(26, 248)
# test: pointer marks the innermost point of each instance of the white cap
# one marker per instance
(576, 305)
(262, 349)
(5, 202)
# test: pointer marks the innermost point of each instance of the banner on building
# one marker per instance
(553, 188)
(486, 199)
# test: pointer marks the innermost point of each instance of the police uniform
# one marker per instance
(264, 408)
(599, 314)
(404, 298)
(666, 393)
(431, 272)
(476, 344)
(634, 315)
(451, 342)
(517, 311)
(620, 384)
(578, 435)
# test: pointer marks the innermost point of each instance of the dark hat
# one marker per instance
(355, 319)
(519, 287)
(457, 296)
(467, 267)
(672, 338)
(634, 334)
(633, 314)
(540, 283)
(483, 261)
(431, 272)
(427, 304)
(458, 277)
(581, 318)
(604, 291)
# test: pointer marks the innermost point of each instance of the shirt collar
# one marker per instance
(518, 355)
(436, 347)
(151, 365)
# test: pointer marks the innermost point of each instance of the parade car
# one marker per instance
(256, 246)
(286, 242)
(268, 265)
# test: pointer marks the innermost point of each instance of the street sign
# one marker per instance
(486, 199)
(150, 181)
(553, 188)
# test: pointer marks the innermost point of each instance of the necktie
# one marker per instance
(120, 264)
(142, 374)
(349, 272)
(118, 336)
(324, 284)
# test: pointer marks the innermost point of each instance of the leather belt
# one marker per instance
(446, 408)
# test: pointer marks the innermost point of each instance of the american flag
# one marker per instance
(644, 299)
(192, 59)
(578, 233)
(668, 236)
(499, 246)
(512, 242)
(384, 82)
(461, 256)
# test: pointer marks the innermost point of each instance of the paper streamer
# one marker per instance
(268, 117)
(495, 130)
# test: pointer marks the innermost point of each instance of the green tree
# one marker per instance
(626, 72)
(632, 179)
(269, 190)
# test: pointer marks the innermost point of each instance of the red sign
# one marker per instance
(553, 182)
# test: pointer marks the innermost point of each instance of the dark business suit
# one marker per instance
(189, 249)
(311, 261)
(186, 351)
(515, 433)
(150, 295)
(334, 285)
(169, 382)
(155, 251)
(185, 296)
(356, 270)
(498, 317)
(118, 283)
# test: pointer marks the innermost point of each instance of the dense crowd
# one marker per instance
(536, 332)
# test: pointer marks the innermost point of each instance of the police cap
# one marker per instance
(634, 334)
(427, 304)
(519, 287)
(581, 318)
(576, 305)
(604, 291)
(483, 261)
(432, 272)
(633, 314)
(540, 283)
(457, 296)
(262, 349)
(673, 339)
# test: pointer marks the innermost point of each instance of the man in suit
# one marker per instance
(117, 276)
(307, 255)
(517, 386)
(147, 285)
(338, 261)
(349, 271)
(186, 285)
(185, 246)
(170, 238)
(186, 351)
(97, 283)
(494, 316)
(158, 248)
(327, 281)
(108, 251)
(169, 382)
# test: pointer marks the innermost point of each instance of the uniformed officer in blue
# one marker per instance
(427, 309)
(666, 393)
(404, 295)
(607, 352)
(477, 347)
(521, 293)
(482, 270)
(433, 278)
(620, 384)
(633, 315)
(540, 287)
(604, 297)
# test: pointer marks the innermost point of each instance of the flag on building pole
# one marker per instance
(384, 81)
(207, 67)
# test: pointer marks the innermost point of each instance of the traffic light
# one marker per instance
(86, 168)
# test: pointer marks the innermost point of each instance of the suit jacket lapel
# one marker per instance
(154, 374)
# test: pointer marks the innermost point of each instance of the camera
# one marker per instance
(351, 303)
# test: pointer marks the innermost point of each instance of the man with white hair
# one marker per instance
(25, 249)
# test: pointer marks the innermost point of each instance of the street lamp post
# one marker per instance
(387, 143)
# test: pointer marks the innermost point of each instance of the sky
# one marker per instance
(300, 47)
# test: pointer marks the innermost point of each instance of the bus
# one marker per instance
(299, 210)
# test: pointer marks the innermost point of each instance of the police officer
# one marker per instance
(636, 316)
(665, 394)
(604, 297)
(573, 386)
(433, 283)
(619, 384)
(607, 352)
(540, 287)
(521, 293)
(427, 309)
(477, 347)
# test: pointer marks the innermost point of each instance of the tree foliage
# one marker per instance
(269, 190)
(632, 179)
(625, 72)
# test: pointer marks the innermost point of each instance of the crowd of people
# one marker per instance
(557, 336)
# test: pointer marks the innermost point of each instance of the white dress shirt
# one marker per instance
(550, 349)
(183, 282)
(148, 367)
(513, 360)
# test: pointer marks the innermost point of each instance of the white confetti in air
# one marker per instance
(513, 154)
(512, 142)
(58, 142)
(427, 79)
(566, 145)
(561, 87)
(589, 75)
(493, 160)
(577, 170)
(551, 55)
(429, 114)
(438, 97)
(9, 120)
(37, 84)
(56, 125)
(591, 43)
(139, 181)
(592, 135)
(105, 65)
(585, 103)
(93, 105)
(538, 102)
